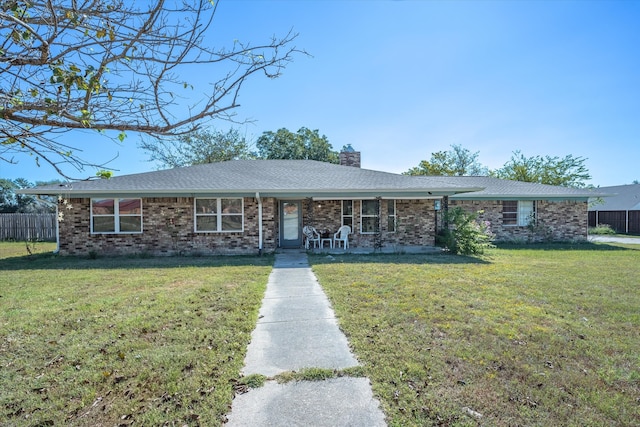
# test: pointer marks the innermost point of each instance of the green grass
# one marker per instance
(118, 341)
(318, 374)
(540, 335)
(536, 336)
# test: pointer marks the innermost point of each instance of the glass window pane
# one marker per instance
(130, 224)
(206, 206)
(391, 223)
(525, 207)
(104, 224)
(231, 205)
(509, 218)
(347, 220)
(525, 212)
(290, 221)
(369, 207)
(129, 207)
(102, 206)
(391, 207)
(347, 207)
(509, 206)
(232, 223)
(369, 225)
(207, 223)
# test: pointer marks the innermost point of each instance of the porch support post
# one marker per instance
(259, 222)
(377, 239)
(309, 218)
(445, 211)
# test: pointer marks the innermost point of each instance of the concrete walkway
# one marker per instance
(297, 329)
(613, 239)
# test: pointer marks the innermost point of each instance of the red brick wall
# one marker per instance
(168, 229)
(557, 220)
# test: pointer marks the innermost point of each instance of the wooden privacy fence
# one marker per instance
(620, 221)
(28, 226)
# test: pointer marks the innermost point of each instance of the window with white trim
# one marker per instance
(391, 215)
(347, 213)
(219, 215)
(518, 212)
(112, 215)
(369, 216)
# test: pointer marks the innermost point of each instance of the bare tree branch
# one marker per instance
(116, 65)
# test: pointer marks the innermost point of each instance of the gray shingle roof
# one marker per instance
(278, 178)
(504, 189)
(621, 198)
(302, 178)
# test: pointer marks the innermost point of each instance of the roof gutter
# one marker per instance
(330, 193)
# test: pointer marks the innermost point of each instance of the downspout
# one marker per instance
(56, 219)
(259, 223)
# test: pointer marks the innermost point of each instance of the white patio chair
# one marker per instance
(342, 235)
(311, 235)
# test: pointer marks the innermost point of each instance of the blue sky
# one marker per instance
(399, 80)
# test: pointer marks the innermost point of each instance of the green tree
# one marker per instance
(122, 66)
(303, 145)
(207, 146)
(7, 195)
(456, 162)
(568, 171)
(11, 202)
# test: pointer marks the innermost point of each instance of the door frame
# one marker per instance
(290, 243)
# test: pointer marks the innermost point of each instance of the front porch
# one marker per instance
(386, 225)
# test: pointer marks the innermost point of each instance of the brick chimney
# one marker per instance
(349, 156)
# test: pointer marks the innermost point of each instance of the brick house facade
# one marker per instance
(249, 206)
(168, 228)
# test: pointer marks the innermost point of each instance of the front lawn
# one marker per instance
(119, 341)
(546, 335)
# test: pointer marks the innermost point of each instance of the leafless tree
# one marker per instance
(113, 65)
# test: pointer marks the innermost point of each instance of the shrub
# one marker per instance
(465, 235)
(538, 230)
(602, 229)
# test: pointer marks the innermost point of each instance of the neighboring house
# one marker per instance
(249, 206)
(620, 210)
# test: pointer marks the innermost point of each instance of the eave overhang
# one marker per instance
(67, 191)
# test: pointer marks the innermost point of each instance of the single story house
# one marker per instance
(620, 210)
(249, 206)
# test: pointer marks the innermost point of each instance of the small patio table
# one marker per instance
(326, 239)
(325, 236)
